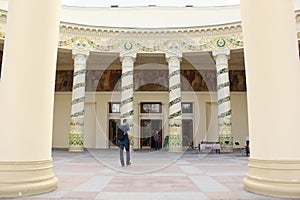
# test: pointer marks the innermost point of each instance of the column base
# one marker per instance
(227, 149)
(175, 149)
(226, 141)
(278, 178)
(76, 149)
(26, 178)
(175, 141)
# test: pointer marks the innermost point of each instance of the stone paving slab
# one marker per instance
(158, 175)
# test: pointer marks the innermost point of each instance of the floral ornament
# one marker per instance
(221, 42)
(175, 140)
(128, 45)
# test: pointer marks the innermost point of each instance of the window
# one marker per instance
(187, 107)
(151, 107)
(114, 107)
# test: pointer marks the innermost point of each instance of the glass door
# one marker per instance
(148, 129)
(187, 132)
(113, 128)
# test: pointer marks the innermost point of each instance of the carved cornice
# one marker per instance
(219, 29)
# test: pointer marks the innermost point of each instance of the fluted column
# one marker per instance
(175, 114)
(273, 86)
(27, 97)
(224, 108)
(127, 88)
(76, 140)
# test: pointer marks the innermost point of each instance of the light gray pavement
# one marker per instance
(157, 175)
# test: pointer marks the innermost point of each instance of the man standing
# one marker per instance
(125, 143)
(157, 140)
(247, 147)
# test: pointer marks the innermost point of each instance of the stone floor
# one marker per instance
(158, 175)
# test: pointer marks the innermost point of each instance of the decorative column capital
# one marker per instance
(80, 56)
(221, 53)
(174, 59)
(80, 53)
(127, 59)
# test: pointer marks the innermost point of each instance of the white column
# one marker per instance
(175, 114)
(27, 96)
(224, 108)
(273, 85)
(76, 138)
(127, 88)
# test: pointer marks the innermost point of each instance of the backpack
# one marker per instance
(121, 135)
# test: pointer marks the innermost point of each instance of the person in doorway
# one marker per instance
(166, 142)
(157, 140)
(125, 144)
(247, 147)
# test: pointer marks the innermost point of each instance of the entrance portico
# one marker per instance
(200, 87)
(173, 102)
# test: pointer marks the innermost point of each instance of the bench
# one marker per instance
(207, 146)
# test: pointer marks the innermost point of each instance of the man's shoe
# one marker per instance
(129, 163)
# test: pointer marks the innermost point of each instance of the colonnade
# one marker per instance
(76, 141)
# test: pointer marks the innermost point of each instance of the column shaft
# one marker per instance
(127, 89)
(273, 85)
(224, 108)
(76, 140)
(27, 96)
(175, 113)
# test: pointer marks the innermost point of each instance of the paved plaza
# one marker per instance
(157, 175)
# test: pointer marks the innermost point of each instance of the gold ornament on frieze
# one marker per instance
(206, 44)
(173, 45)
(81, 43)
(235, 41)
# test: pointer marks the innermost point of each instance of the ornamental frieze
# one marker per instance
(180, 43)
(118, 44)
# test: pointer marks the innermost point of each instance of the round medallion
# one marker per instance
(221, 42)
(128, 45)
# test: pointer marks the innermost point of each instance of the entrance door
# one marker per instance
(148, 128)
(187, 132)
(113, 128)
